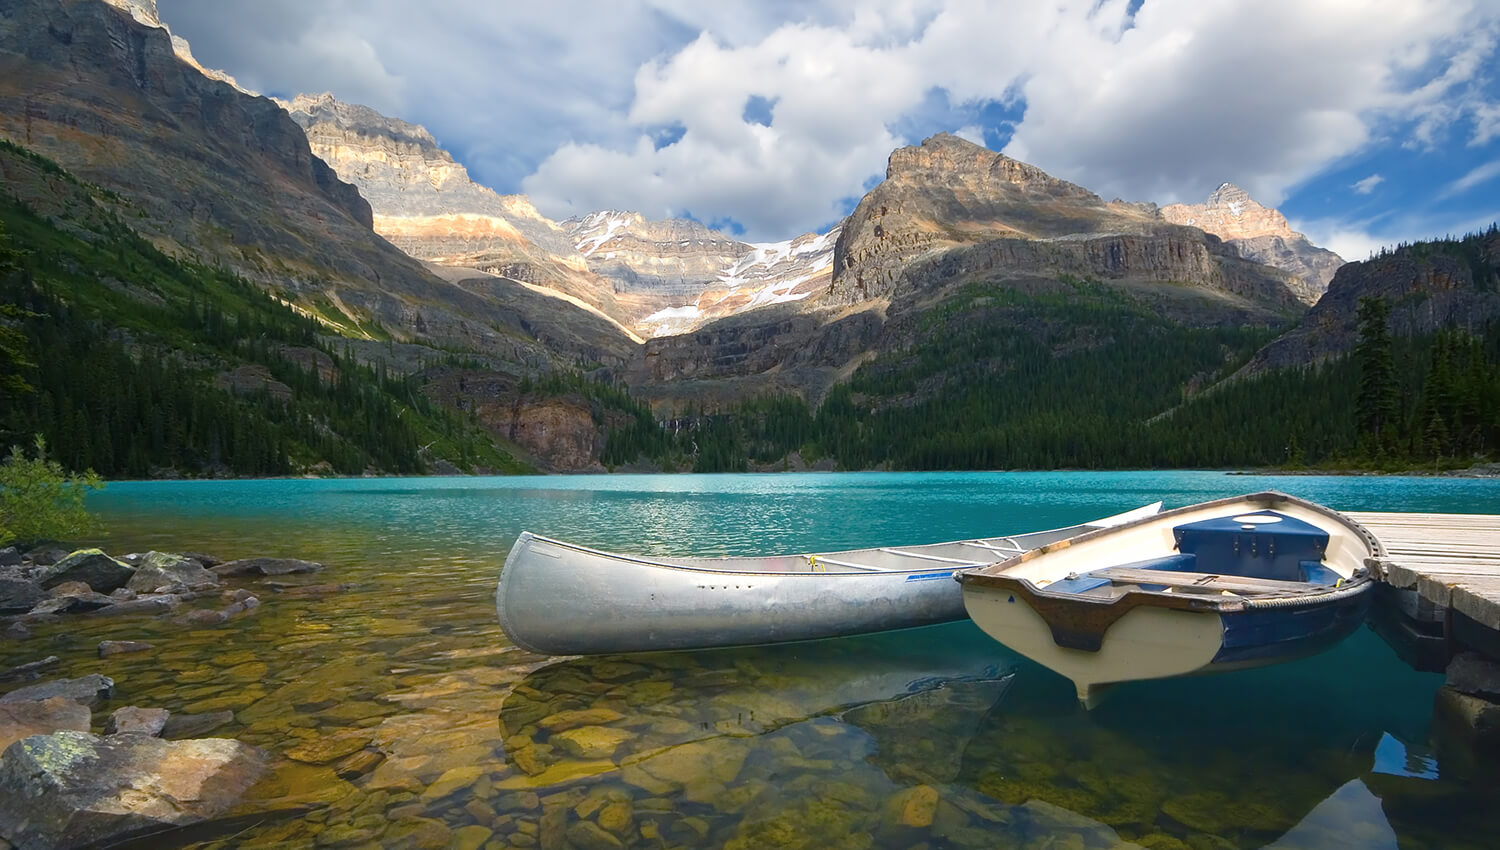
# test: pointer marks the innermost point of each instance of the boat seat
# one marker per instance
(1211, 582)
(1257, 544)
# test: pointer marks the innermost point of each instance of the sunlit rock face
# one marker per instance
(652, 277)
(144, 12)
(1261, 234)
(426, 204)
(682, 275)
(948, 193)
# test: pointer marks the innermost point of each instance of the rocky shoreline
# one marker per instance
(71, 776)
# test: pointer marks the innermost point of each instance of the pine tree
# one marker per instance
(1376, 406)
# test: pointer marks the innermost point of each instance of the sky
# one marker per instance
(1367, 122)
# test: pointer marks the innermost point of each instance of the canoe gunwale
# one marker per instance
(665, 565)
(864, 570)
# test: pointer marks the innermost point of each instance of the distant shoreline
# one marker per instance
(1488, 470)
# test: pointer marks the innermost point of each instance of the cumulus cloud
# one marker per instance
(1367, 185)
(1163, 103)
(644, 105)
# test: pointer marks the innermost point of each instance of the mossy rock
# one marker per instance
(591, 742)
(1162, 841)
(417, 834)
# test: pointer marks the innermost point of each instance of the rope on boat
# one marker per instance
(1303, 601)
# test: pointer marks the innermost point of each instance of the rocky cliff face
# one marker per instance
(144, 12)
(1262, 235)
(556, 434)
(652, 277)
(217, 175)
(1429, 286)
(678, 275)
(426, 204)
(949, 194)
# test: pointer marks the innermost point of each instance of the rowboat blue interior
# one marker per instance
(1258, 545)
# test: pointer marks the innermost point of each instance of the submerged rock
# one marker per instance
(203, 617)
(90, 566)
(73, 789)
(266, 567)
(40, 717)
(913, 807)
(193, 725)
(87, 690)
(591, 742)
(1473, 674)
(564, 720)
(29, 671)
(144, 605)
(139, 721)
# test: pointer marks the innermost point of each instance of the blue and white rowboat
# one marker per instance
(1233, 583)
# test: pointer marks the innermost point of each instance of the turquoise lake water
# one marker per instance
(935, 738)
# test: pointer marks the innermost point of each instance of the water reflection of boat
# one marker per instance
(558, 598)
(1232, 583)
(638, 708)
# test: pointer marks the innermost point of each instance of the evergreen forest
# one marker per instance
(1097, 381)
(119, 357)
(131, 363)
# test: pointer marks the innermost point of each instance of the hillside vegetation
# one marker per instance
(1082, 376)
(131, 363)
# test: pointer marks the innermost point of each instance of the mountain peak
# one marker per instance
(1230, 213)
(1262, 234)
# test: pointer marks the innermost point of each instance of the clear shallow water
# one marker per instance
(399, 715)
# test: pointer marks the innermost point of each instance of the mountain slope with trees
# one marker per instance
(131, 363)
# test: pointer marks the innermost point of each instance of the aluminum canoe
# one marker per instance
(558, 598)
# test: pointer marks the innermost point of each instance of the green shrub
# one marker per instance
(39, 500)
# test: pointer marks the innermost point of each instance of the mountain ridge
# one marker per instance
(653, 277)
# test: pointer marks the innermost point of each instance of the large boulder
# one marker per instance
(92, 567)
(159, 572)
(40, 717)
(87, 690)
(73, 789)
(266, 567)
(17, 595)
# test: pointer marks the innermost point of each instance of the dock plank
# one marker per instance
(1452, 560)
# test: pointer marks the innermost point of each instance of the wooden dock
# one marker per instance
(1452, 560)
(1447, 566)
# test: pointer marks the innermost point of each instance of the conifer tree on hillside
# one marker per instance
(13, 358)
(1376, 407)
